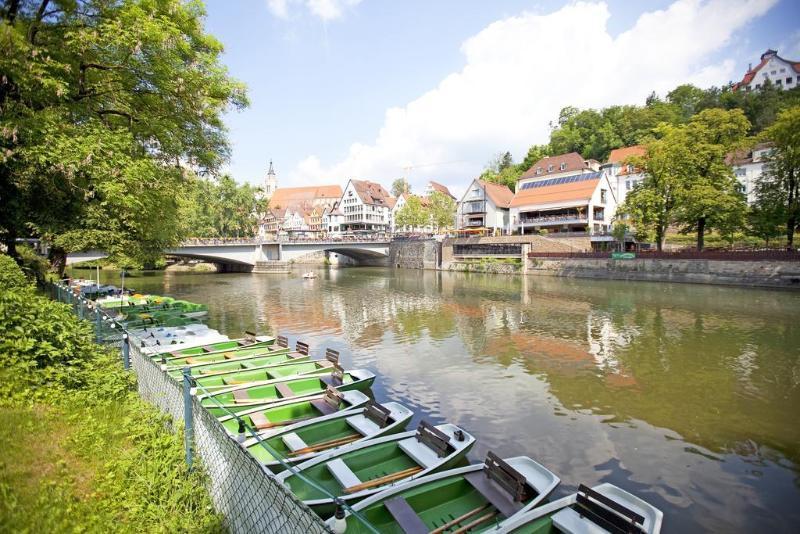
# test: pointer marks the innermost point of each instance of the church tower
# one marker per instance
(270, 182)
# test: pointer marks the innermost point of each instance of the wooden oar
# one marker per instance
(265, 426)
(383, 480)
(327, 444)
(481, 519)
(459, 519)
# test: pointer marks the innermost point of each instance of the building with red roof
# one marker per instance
(772, 68)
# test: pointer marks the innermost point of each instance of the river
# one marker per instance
(687, 395)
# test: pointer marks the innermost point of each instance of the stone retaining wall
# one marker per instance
(415, 254)
(780, 274)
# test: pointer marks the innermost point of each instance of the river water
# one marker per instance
(687, 395)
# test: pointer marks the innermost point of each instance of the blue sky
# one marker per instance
(366, 88)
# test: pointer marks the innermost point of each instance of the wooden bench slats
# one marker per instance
(405, 516)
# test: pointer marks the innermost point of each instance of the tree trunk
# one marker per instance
(660, 238)
(701, 231)
(58, 260)
(11, 243)
(791, 224)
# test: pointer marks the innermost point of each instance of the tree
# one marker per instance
(688, 98)
(778, 191)
(535, 153)
(105, 105)
(708, 195)
(442, 210)
(219, 208)
(412, 214)
(400, 186)
(651, 204)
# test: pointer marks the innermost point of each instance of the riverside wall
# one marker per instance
(415, 254)
(777, 274)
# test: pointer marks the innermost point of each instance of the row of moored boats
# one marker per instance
(311, 423)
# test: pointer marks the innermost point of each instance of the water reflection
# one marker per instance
(685, 394)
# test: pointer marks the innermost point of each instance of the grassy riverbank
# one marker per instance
(81, 451)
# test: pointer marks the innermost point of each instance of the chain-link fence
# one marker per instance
(243, 491)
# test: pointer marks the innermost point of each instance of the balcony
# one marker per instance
(553, 220)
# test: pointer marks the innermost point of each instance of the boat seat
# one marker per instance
(285, 391)
(260, 420)
(293, 441)
(240, 395)
(229, 355)
(494, 493)
(568, 520)
(331, 381)
(343, 474)
(405, 516)
(419, 452)
(191, 361)
(362, 425)
(323, 406)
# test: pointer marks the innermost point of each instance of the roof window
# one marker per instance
(538, 170)
(549, 168)
(563, 166)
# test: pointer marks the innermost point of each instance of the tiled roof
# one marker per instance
(286, 196)
(620, 155)
(580, 190)
(745, 155)
(765, 57)
(440, 188)
(500, 195)
(371, 193)
(391, 201)
(573, 161)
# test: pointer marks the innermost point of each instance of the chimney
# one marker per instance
(749, 67)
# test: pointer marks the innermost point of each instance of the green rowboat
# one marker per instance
(262, 374)
(239, 398)
(222, 366)
(603, 508)
(258, 349)
(266, 419)
(251, 341)
(302, 441)
(476, 498)
(355, 472)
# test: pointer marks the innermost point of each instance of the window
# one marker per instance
(778, 82)
(630, 169)
(788, 80)
(628, 185)
(550, 168)
(563, 166)
(772, 72)
(783, 70)
(758, 86)
(602, 196)
(741, 172)
(538, 170)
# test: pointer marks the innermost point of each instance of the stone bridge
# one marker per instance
(244, 254)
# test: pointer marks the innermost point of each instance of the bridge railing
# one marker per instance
(373, 238)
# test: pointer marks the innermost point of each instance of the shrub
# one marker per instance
(11, 276)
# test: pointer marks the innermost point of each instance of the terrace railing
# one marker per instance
(711, 255)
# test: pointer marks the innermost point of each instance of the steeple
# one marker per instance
(270, 182)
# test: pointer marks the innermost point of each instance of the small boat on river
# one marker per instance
(310, 275)
(357, 471)
(220, 365)
(276, 416)
(305, 440)
(476, 498)
(603, 508)
(239, 398)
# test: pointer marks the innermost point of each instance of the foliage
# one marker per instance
(11, 276)
(103, 104)
(708, 195)
(778, 191)
(400, 186)
(108, 458)
(687, 181)
(413, 214)
(442, 210)
(219, 208)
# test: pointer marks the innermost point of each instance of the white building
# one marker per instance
(365, 206)
(270, 182)
(332, 219)
(780, 72)
(438, 188)
(485, 205)
(563, 193)
(622, 173)
(748, 166)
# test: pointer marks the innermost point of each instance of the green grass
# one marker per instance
(81, 452)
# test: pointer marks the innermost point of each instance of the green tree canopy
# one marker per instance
(778, 191)
(218, 208)
(400, 186)
(442, 209)
(413, 214)
(105, 105)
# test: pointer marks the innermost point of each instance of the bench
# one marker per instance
(343, 474)
(285, 391)
(293, 441)
(240, 395)
(260, 420)
(419, 452)
(362, 425)
(405, 516)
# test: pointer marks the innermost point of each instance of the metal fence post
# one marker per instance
(97, 323)
(188, 430)
(80, 307)
(126, 351)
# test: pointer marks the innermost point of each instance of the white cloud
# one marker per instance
(326, 10)
(520, 71)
